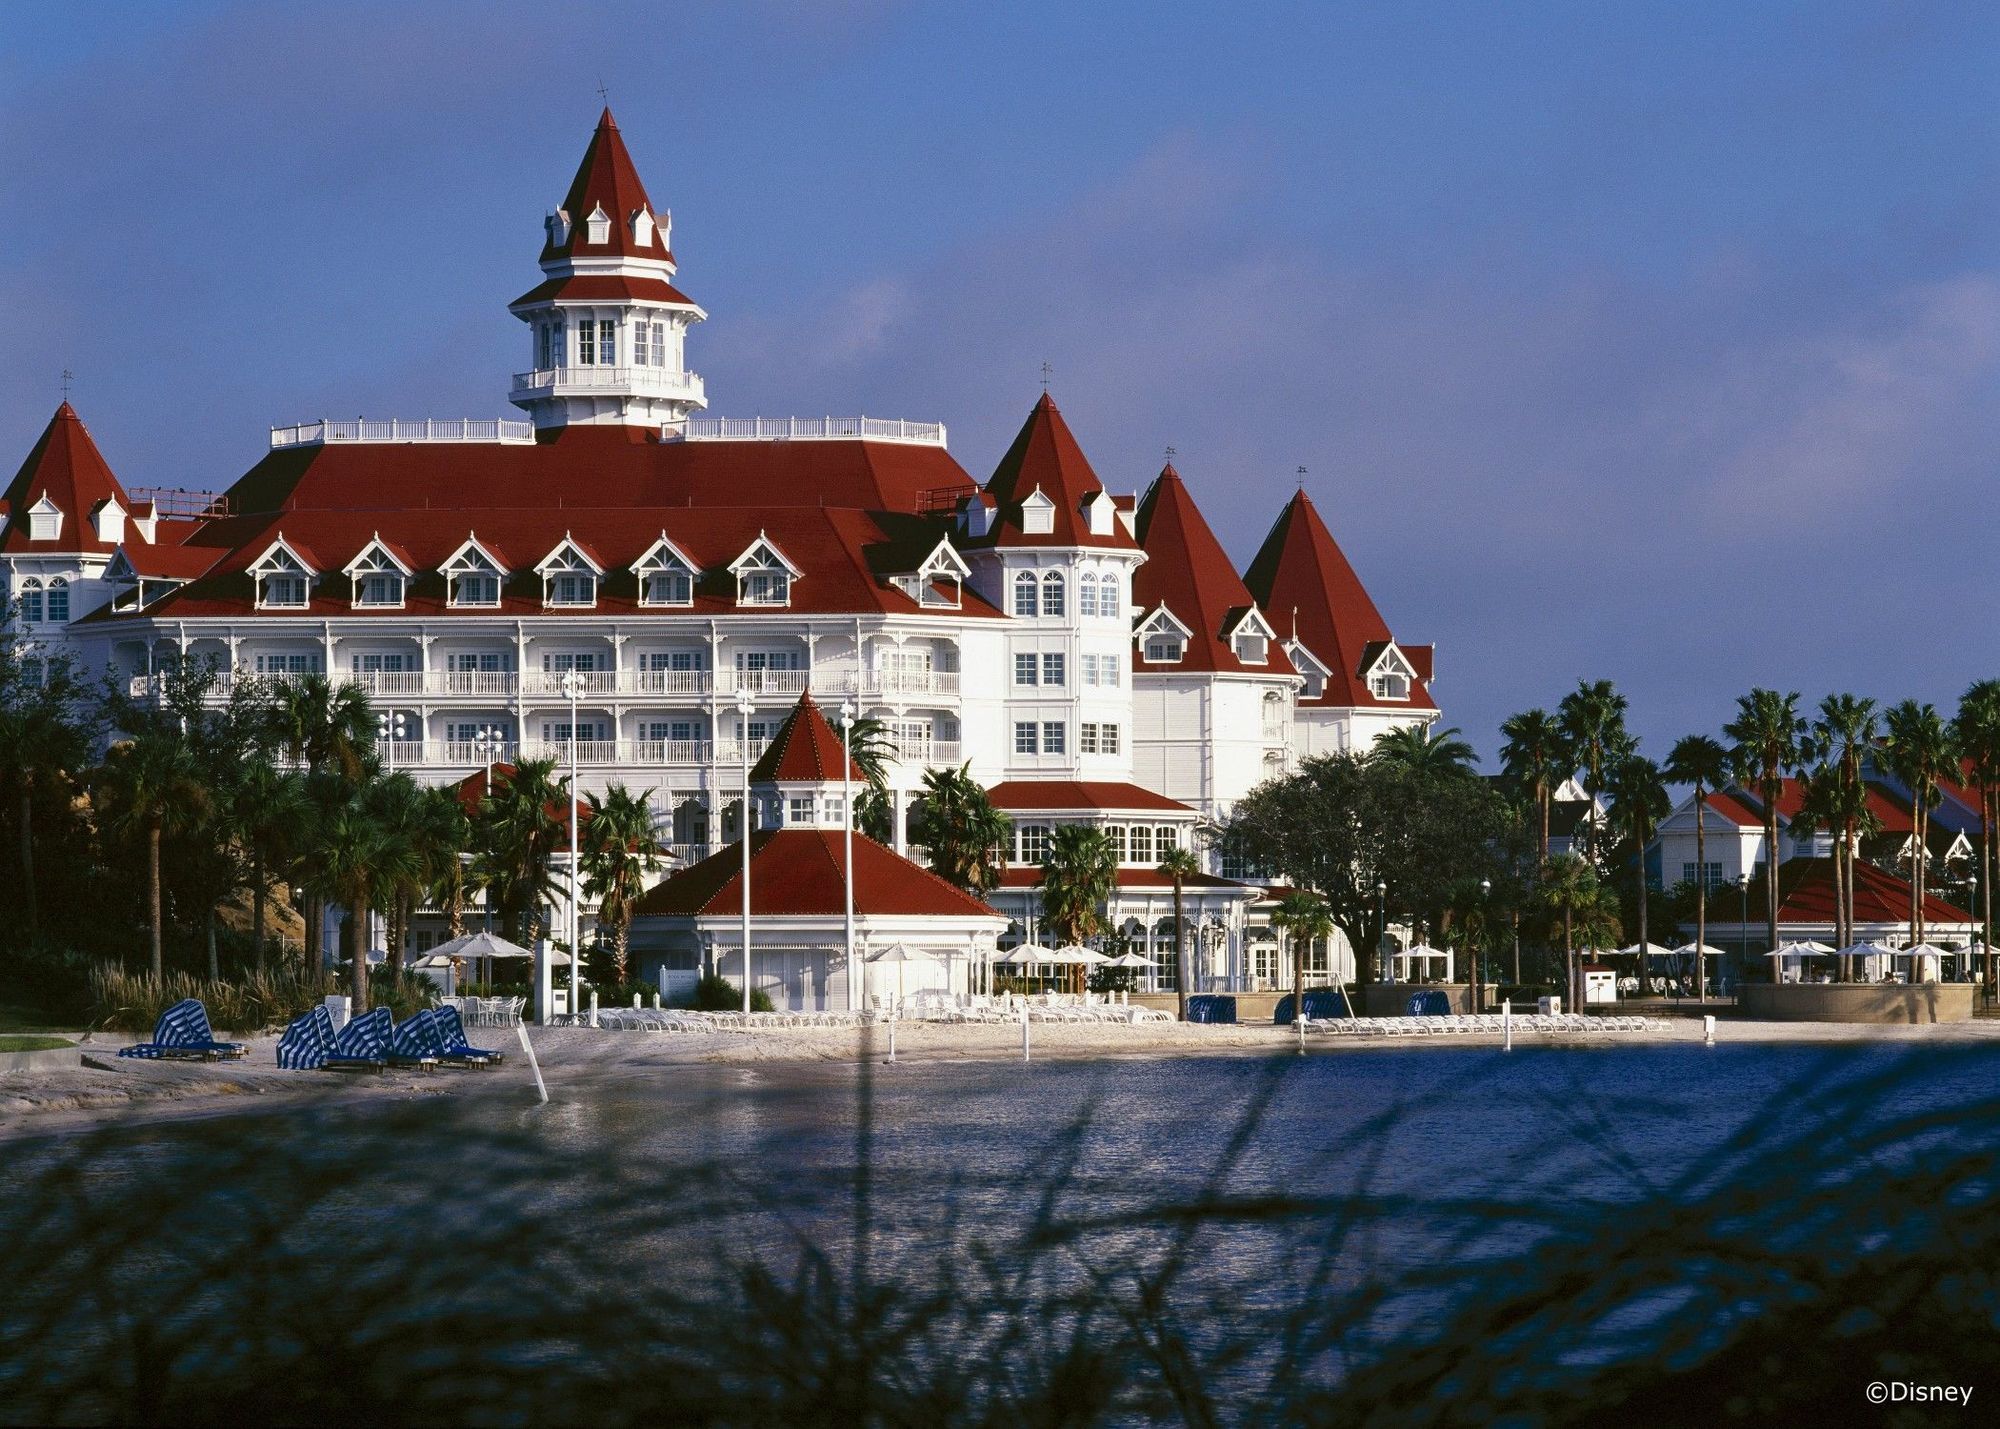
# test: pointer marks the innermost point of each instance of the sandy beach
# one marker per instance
(107, 1088)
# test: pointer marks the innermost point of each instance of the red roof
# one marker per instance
(847, 558)
(1187, 571)
(1805, 895)
(1300, 575)
(605, 288)
(66, 467)
(805, 750)
(607, 179)
(1028, 876)
(797, 872)
(1047, 795)
(1046, 458)
(472, 789)
(603, 466)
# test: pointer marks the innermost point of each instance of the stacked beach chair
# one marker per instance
(183, 1034)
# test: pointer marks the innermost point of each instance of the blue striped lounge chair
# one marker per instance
(451, 1033)
(427, 1028)
(363, 1044)
(183, 1032)
(307, 1042)
(408, 1047)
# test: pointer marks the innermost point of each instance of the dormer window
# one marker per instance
(1390, 677)
(472, 577)
(558, 227)
(569, 578)
(110, 520)
(378, 577)
(763, 575)
(666, 574)
(1038, 514)
(1164, 649)
(1311, 668)
(1251, 648)
(642, 229)
(1100, 511)
(598, 225)
(284, 582)
(45, 520)
(939, 582)
(1163, 640)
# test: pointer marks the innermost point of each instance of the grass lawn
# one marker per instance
(17, 1043)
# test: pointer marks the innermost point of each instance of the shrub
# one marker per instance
(403, 999)
(715, 993)
(133, 1002)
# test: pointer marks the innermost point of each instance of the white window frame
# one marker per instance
(281, 563)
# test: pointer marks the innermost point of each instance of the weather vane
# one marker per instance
(603, 93)
(1046, 370)
(1170, 453)
(1302, 478)
(68, 377)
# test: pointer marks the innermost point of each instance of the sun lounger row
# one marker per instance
(652, 1019)
(375, 1042)
(1486, 1024)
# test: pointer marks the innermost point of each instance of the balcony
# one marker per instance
(667, 382)
(895, 686)
(323, 433)
(929, 751)
(550, 682)
(811, 429)
(762, 682)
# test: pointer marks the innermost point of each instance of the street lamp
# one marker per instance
(1486, 913)
(1381, 923)
(388, 729)
(572, 686)
(487, 746)
(745, 707)
(847, 713)
(1972, 906)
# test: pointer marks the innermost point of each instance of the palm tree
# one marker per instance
(404, 809)
(520, 825)
(1702, 762)
(873, 748)
(42, 738)
(266, 816)
(1079, 873)
(962, 833)
(1977, 727)
(150, 786)
(1844, 733)
(1416, 749)
(322, 724)
(1180, 865)
(352, 849)
(446, 834)
(1919, 751)
(1302, 918)
(1538, 758)
(1638, 803)
(1570, 886)
(1766, 733)
(620, 847)
(1592, 720)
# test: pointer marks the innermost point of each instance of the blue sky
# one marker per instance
(1658, 343)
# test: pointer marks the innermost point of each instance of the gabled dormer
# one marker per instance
(378, 576)
(108, 518)
(146, 521)
(1250, 636)
(1389, 675)
(939, 580)
(569, 576)
(642, 227)
(667, 575)
(474, 576)
(1100, 512)
(763, 574)
(283, 577)
(45, 520)
(1163, 638)
(1313, 670)
(1038, 514)
(597, 227)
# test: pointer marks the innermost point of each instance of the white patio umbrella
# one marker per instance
(1698, 952)
(1643, 950)
(900, 953)
(1027, 955)
(1130, 960)
(1077, 955)
(1868, 952)
(1423, 951)
(491, 948)
(1918, 951)
(1805, 949)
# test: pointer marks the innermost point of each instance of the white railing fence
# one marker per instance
(395, 429)
(779, 429)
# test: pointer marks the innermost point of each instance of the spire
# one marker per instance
(607, 183)
(1300, 567)
(1045, 465)
(66, 471)
(1187, 571)
(805, 750)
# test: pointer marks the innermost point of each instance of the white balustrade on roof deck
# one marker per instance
(808, 429)
(361, 429)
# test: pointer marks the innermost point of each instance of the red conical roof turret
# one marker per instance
(805, 750)
(1045, 457)
(66, 468)
(607, 181)
(1187, 571)
(1300, 568)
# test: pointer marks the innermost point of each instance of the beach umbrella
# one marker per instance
(1917, 951)
(1644, 950)
(1026, 955)
(1077, 955)
(1806, 949)
(1130, 960)
(900, 953)
(1868, 952)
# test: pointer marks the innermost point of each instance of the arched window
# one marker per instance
(1086, 594)
(31, 601)
(1024, 594)
(59, 601)
(1052, 593)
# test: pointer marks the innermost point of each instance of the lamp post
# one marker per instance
(847, 712)
(572, 686)
(487, 746)
(388, 729)
(1972, 906)
(1381, 925)
(1742, 938)
(1486, 913)
(745, 707)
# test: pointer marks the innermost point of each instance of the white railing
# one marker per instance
(385, 682)
(469, 752)
(928, 751)
(474, 682)
(361, 429)
(806, 429)
(667, 682)
(678, 752)
(550, 682)
(665, 381)
(889, 684)
(588, 751)
(762, 682)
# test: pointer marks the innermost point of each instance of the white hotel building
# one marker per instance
(1094, 659)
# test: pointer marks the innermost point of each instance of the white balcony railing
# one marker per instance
(469, 752)
(762, 682)
(473, 682)
(805, 429)
(675, 753)
(321, 433)
(550, 682)
(928, 751)
(646, 381)
(667, 682)
(894, 685)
